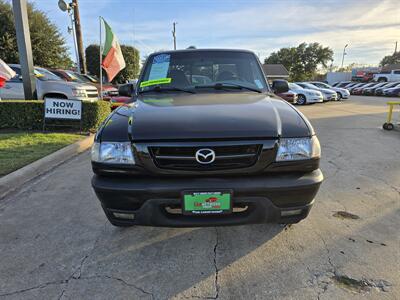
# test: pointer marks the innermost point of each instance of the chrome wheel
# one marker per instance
(301, 100)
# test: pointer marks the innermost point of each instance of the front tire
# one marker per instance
(382, 79)
(339, 96)
(301, 100)
(388, 126)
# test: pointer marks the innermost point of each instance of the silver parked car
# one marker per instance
(305, 96)
(47, 85)
(342, 93)
(329, 95)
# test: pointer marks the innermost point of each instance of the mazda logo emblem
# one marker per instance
(205, 156)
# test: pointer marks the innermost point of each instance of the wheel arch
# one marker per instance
(55, 95)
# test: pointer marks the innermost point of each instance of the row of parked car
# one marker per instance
(313, 92)
(57, 83)
(390, 89)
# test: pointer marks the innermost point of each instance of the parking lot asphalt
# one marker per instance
(55, 242)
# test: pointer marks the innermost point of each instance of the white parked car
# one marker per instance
(342, 93)
(329, 95)
(305, 96)
(48, 85)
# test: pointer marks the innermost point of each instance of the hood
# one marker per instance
(109, 88)
(326, 91)
(392, 89)
(219, 115)
(339, 89)
(76, 85)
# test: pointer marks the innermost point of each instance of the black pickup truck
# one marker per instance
(205, 142)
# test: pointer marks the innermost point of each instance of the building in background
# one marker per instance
(275, 71)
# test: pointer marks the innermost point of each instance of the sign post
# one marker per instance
(62, 109)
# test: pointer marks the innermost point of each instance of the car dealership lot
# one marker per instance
(56, 243)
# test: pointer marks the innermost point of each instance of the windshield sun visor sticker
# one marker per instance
(160, 66)
(258, 83)
(155, 82)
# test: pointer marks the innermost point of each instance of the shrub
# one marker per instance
(28, 114)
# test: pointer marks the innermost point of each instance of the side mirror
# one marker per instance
(126, 90)
(280, 86)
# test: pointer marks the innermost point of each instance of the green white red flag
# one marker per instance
(113, 61)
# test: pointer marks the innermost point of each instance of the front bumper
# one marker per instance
(330, 97)
(345, 95)
(314, 99)
(87, 99)
(150, 199)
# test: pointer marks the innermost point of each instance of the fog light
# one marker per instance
(124, 216)
(288, 213)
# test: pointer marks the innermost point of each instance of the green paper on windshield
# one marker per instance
(155, 82)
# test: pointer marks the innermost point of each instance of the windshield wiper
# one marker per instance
(221, 86)
(167, 89)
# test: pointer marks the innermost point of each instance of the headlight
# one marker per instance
(79, 93)
(113, 153)
(298, 149)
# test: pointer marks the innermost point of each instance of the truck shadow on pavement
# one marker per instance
(167, 261)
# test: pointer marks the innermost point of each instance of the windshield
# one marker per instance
(71, 75)
(308, 86)
(294, 86)
(45, 75)
(194, 69)
(91, 78)
(322, 85)
(80, 77)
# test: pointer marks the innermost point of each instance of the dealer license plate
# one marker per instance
(206, 203)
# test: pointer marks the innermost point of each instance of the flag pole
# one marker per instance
(101, 60)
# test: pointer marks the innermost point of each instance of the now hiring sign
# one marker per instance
(62, 109)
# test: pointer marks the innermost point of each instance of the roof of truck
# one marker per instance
(203, 50)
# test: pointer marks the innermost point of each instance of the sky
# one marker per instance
(369, 27)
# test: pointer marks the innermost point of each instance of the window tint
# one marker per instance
(16, 78)
(45, 75)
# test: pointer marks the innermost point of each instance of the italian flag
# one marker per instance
(113, 61)
(6, 73)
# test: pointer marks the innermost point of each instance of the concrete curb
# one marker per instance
(17, 178)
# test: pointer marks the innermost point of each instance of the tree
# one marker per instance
(48, 45)
(302, 61)
(390, 59)
(131, 56)
(92, 59)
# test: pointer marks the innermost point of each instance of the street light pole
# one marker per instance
(344, 53)
(174, 33)
(24, 47)
(73, 10)
(78, 32)
(72, 30)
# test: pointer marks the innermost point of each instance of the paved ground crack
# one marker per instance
(119, 280)
(216, 283)
(36, 287)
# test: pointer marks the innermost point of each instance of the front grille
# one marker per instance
(92, 93)
(112, 93)
(184, 157)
